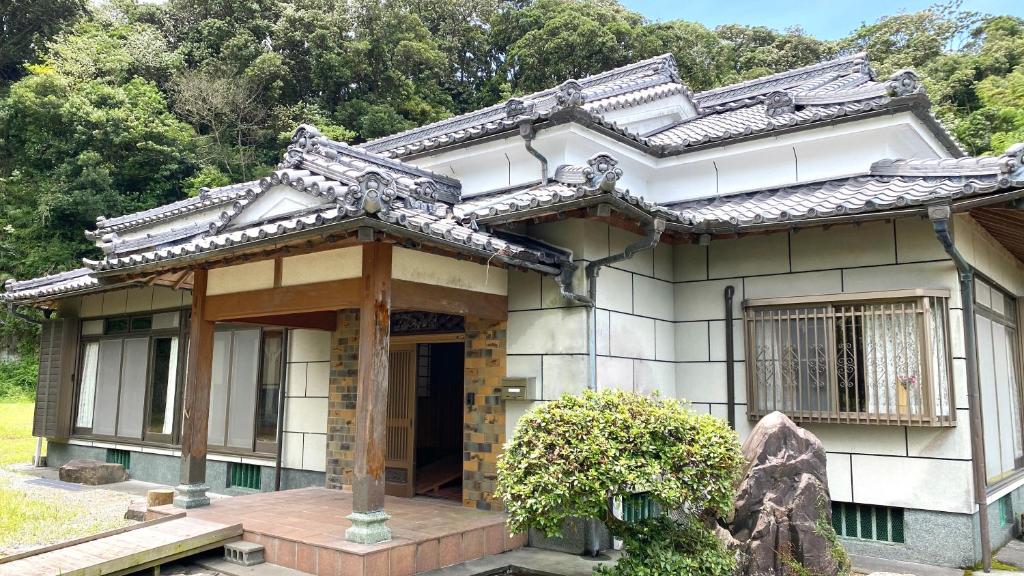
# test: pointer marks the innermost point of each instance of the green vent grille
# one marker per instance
(880, 523)
(245, 476)
(1006, 510)
(122, 457)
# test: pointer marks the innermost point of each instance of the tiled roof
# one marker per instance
(820, 93)
(374, 201)
(802, 97)
(890, 185)
(570, 183)
(630, 85)
(352, 184)
(853, 68)
(78, 280)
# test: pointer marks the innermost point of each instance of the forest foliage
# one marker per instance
(112, 107)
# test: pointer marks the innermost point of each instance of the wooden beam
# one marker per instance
(431, 298)
(196, 414)
(316, 297)
(315, 320)
(372, 379)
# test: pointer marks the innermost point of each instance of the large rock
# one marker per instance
(92, 472)
(782, 521)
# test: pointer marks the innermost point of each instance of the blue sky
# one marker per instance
(822, 18)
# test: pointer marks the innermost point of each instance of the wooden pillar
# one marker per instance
(196, 414)
(368, 516)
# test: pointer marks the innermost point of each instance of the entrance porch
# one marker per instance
(366, 295)
(305, 530)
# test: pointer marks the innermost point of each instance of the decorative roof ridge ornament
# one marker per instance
(778, 103)
(373, 192)
(904, 83)
(515, 107)
(569, 94)
(1008, 165)
(602, 172)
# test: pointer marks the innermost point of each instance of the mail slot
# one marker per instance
(516, 388)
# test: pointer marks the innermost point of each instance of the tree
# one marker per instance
(571, 457)
(758, 51)
(550, 41)
(26, 25)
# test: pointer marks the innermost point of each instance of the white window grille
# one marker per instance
(880, 358)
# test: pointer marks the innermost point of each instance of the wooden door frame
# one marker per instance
(411, 342)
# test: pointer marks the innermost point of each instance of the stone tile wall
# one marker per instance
(341, 400)
(484, 420)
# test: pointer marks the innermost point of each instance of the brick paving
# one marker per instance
(305, 530)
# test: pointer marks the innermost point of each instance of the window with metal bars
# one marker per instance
(244, 476)
(866, 522)
(122, 457)
(879, 358)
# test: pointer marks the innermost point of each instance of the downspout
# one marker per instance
(730, 359)
(940, 215)
(527, 132)
(653, 230)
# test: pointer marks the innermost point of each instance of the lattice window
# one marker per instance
(866, 522)
(873, 358)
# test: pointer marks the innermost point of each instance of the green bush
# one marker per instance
(663, 547)
(570, 457)
(18, 379)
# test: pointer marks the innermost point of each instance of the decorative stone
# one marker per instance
(191, 496)
(782, 520)
(368, 528)
(92, 472)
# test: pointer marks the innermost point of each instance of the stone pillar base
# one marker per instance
(191, 496)
(368, 527)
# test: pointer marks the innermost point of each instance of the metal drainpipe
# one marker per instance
(527, 132)
(653, 229)
(730, 359)
(940, 216)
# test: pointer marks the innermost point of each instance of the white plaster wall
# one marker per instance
(323, 266)
(133, 300)
(547, 335)
(661, 329)
(924, 468)
(308, 370)
(827, 151)
(241, 278)
(440, 270)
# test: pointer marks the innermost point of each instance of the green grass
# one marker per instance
(17, 446)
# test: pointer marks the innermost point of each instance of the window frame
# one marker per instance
(181, 332)
(1016, 324)
(834, 412)
(259, 449)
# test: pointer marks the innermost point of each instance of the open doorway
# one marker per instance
(439, 415)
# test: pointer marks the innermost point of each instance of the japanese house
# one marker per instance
(376, 317)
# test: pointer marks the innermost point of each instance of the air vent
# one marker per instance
(866, 522)
(245, 476)
(122, 457)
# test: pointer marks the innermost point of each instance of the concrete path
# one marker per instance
(535, 559)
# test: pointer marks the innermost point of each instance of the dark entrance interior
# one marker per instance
(439, 391)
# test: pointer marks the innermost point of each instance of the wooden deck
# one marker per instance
(124, 551)
(305, 530)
